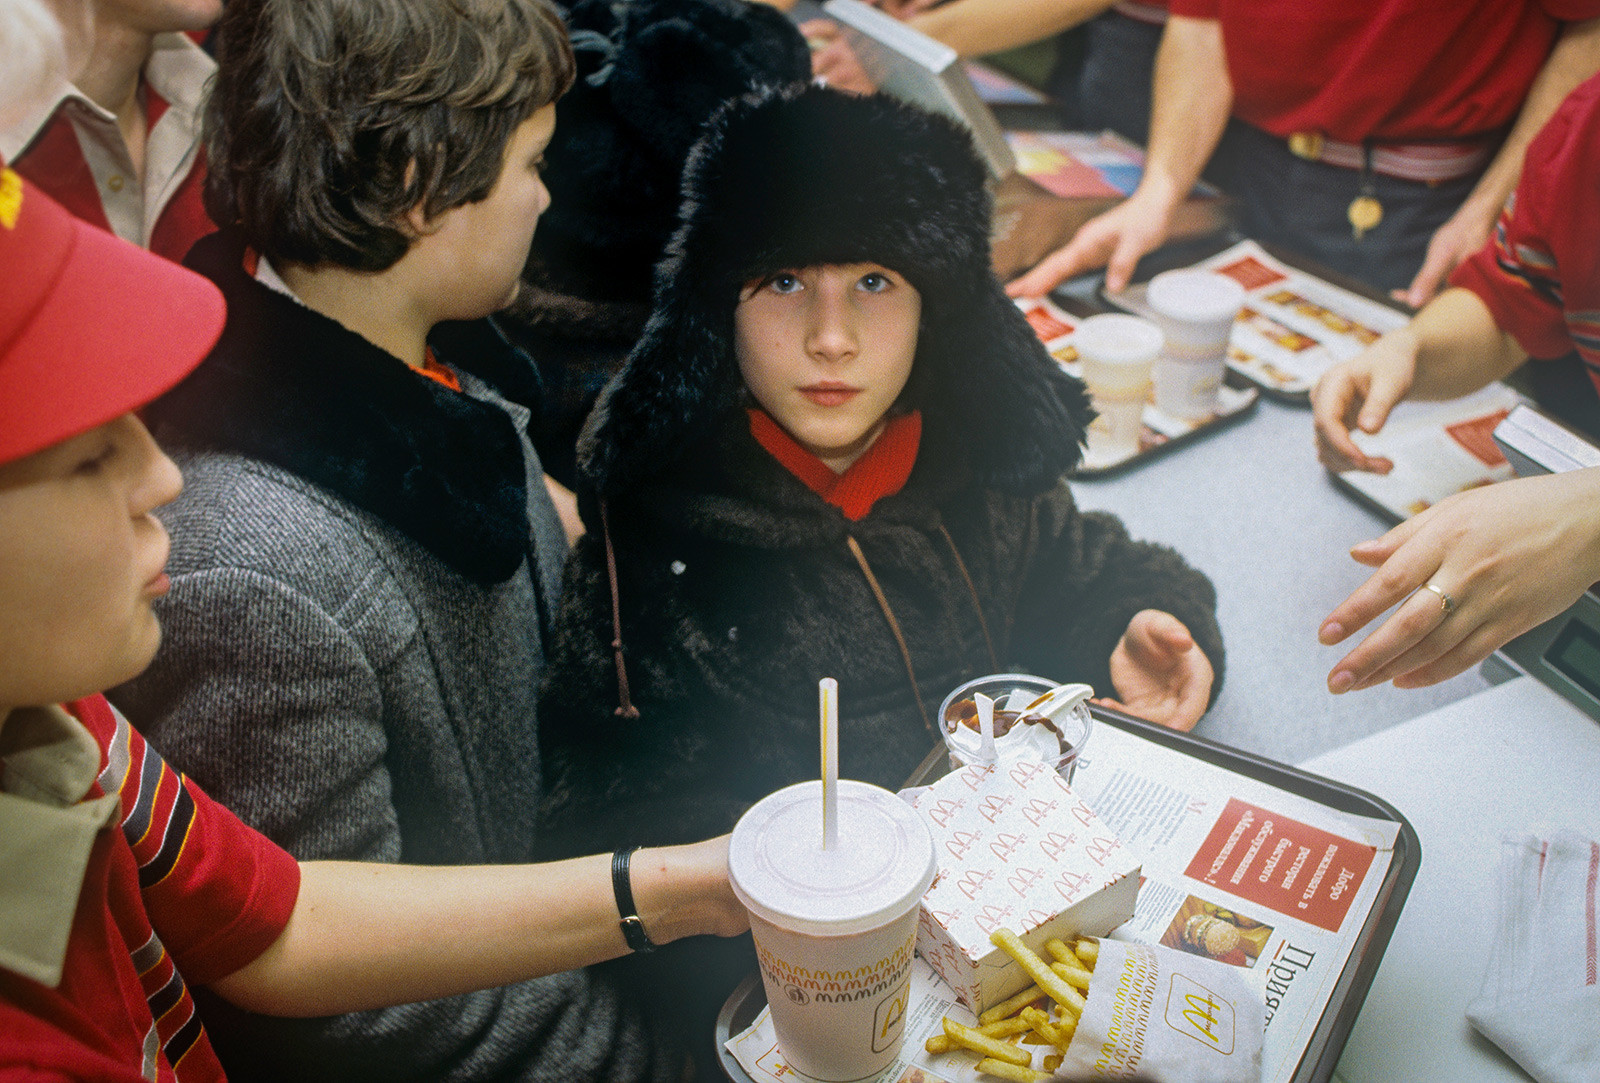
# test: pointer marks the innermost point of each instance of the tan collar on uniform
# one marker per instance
(179, 71)
(48, 763)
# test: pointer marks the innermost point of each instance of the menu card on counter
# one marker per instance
(996, 87)
(1084, 165)
(1296, 879)
(1438, 449)
(1294, 326)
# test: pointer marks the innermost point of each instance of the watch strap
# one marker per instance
(622, 886)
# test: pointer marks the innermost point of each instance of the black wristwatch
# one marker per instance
(621, 884)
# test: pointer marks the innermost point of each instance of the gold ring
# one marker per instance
(1446, 603)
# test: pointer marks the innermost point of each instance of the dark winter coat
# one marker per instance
(738, 592)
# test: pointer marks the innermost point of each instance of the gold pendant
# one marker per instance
(1365, 213)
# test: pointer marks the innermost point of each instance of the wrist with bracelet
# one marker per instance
(622, 886)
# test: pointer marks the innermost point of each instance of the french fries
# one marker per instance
(1020, 1019)
(1005, 1070)
(1054, 986)
(1011, 1005)
(1075, 976)
(1040, 1023)
(1000, 1028)
(979, 1042)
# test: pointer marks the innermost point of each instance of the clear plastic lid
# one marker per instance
(881, 867)
(1115, 339)
(1196, 296)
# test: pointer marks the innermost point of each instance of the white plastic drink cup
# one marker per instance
(1195, 310)
(834, 928)
(1118, 354)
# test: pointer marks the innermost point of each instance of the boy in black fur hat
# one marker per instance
(837, 450)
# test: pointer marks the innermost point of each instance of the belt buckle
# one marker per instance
(1307, 145)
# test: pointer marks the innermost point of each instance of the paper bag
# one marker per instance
(1168, 1017)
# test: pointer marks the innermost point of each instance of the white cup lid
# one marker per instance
(1116, 339)
(880, 868)
(1201, 296)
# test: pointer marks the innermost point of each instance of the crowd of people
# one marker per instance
(469, 560)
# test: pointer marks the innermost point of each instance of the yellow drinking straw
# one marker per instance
(828, 697)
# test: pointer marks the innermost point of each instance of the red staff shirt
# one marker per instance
(133, 883)
(1394, 71)
(73, 149)
(1540, 272)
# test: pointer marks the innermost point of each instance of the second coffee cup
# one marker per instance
(1196, 311)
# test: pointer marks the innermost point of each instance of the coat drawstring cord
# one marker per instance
(625, 707)
(894, 625)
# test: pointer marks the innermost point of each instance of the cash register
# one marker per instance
(1563, 652)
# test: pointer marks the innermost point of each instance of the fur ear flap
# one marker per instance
(998, 390)
(677, 380)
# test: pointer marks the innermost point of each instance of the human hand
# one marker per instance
(1361, 392)
(1462, 234)
(1159, 672)
(1115, 240)
(1509, 556)
(833, 62)
(684, 891)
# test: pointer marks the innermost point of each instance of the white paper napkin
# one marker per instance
(1540, 1000)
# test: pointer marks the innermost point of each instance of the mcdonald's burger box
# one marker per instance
(1019, 850)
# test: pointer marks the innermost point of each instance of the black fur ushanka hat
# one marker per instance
(800, 177)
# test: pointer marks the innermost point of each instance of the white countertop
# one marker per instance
(1251, 507)
(1516, 759)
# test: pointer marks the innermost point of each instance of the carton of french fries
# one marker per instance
(1019, 850)
(1104, 1009)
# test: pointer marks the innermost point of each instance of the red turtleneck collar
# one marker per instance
(882, 471)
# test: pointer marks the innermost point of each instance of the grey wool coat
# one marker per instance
(737, 588)
(363, 570)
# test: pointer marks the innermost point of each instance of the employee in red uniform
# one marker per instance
(1488, 564)
(120, 147)
(1379, 137)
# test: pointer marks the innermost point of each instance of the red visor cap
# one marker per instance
(91, 327)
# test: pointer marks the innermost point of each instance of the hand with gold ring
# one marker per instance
(1465, 577)
(1447, 604)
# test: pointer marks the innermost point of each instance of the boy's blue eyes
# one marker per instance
(871, 282)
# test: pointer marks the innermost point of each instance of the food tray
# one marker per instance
(1160, 433)
(1322, 318)
(1322, 1052)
